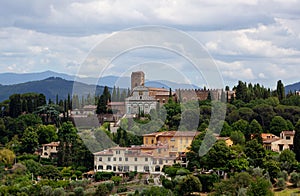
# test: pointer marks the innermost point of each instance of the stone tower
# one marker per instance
(137, 79)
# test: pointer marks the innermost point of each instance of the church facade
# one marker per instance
(140, 101)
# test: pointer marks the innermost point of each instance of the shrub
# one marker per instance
(116, 180)
(79, 191)
(59, 192)
(283, 174)
(281, 184)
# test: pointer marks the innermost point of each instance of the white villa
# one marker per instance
(125, 159)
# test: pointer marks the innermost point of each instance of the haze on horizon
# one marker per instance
(253, 41)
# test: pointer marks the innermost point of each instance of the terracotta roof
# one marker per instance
(288, 132)
(173, 134)
(104, 152)
(116, 103)
(269, 141)
(89, 107)
(158, 89)
(51, 144)
(222, 138)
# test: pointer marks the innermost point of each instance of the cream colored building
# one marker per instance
(278, 144)
(50, 150)
(125, 159)
(159, 149)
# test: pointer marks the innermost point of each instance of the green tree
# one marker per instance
(255, 130)
(217, 157)
(277, 125)
(260, 187)
(7, 157)
(264, 115)
(15, 105)
(155, 190)
(187, 185)
(102, 190)
(49, 172)
(256, 153)
(33, 167)
(226, 130)
(67, 135)
(287, 159)
(240, 125)
(237, 137)
(297, 141)
(29, 140)
(280, 90)
(47, 134)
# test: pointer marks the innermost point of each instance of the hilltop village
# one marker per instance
(146, 141)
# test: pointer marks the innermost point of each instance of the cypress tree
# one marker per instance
(297, 141)
(280, 90)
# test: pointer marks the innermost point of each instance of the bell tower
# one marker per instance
(137, 79)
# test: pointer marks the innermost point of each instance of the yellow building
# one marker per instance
(227, 140)
(178, 141)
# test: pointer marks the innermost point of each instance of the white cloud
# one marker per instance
(250, 40)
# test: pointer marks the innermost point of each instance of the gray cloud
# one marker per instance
(257, 41)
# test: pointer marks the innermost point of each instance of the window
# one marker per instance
(160, 161)
(114, 168)
(288, 137)
(135, 168)
(135, 159)
(108, 167)
(159, 151)
(186, 140)
(115, 159)
(146, 158)
(100, 158)
(120, 158)
(146, 140)
(146, 168)
(108, 158)
(100, 167)
(118, 152)
(126, 158)
(154, 161)
(126, 168)
(120, 168)
(45, 147)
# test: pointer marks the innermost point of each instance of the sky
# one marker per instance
(253, 41)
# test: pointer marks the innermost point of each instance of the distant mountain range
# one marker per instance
(110, 81)
(292, 87)
(52, 83)
(50, 87)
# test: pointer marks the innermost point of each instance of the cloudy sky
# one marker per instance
(253, 41)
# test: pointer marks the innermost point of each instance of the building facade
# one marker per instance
(278, 144)
(159, 149)
(50, 150)
(140, 101)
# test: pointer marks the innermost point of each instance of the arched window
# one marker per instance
(157, 168)
(108, 167)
